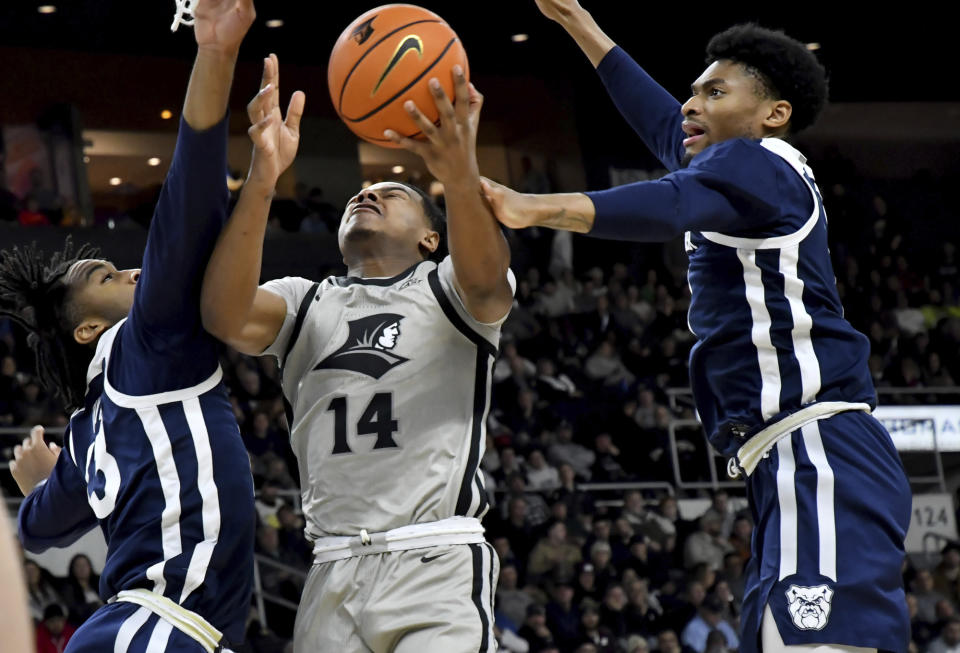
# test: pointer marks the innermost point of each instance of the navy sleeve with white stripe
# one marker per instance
(735, 186)
(56, 513)
(164, 321)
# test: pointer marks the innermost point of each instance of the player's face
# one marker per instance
(726, 102)
(384, 214)
(104, 293)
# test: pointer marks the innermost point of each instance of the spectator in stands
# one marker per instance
(563, 617)
(740, 536)
(667, 642)
(707, 544)
(537, 510)
(949, 639)
(516, 528)
(566, 451)
(709, 617)
(40, 589)
(946, 575)
(606, 367)
(553, 558)
(927, 596)
(607, 467)
(585, 585)
(637, 644)
(733, 564)
(591, 629)
(511, 601)
(601, 557)
(268, 503)
(921, 632)
(643, 611)
(81, 590)
(540, 474)
(613, 615)
(291, 535)
(535, 630)
(53, 633)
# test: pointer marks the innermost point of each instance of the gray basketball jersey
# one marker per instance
(387, 383)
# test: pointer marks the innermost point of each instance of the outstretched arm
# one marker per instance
(733, 186)
(478, 249)
(234, 309)
(650, 110)
(55, 511)
(193, 202)
(15, 624)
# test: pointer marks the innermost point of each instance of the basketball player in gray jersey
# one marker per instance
(386, 372)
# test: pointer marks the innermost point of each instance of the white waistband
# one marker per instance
(753, 451)
(454, 530)
(187, 622)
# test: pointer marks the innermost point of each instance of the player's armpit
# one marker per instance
(254, 333)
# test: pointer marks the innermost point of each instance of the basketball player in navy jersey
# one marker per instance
(780, 379)
(386, 372)
(152, 452)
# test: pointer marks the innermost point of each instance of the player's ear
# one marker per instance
(89, 329)
(429, 242)
(778, 115)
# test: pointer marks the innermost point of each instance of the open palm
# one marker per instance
(275, 139)
(222, 24)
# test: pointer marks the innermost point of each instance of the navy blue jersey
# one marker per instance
(154, 455)
(771, 337)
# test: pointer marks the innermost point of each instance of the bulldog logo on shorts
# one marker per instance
(809, 607)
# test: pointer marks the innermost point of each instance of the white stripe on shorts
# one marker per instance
(129, 628)
(159, 637)
(787, 495)
(826, 520)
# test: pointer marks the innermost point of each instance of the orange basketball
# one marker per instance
(386, 57)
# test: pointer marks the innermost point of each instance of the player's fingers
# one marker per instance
(17, 452)
(476, 101)
(275, 99)
(26, 445)
(444, 106)
(461, 91)
(36, 435)
(256, 108)
(428, 128)
(55, 448)
(295, 111)
(13, 467)
(267, 71)
(406, 143)
(489, 191)
(257, 132)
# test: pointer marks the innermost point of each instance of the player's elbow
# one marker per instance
(215, 321)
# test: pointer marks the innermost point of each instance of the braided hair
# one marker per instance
(34, 295)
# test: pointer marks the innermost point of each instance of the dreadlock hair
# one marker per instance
(34, 295)
(435, 215)
(785, 68)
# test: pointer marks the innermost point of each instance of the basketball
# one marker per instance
(386, 57)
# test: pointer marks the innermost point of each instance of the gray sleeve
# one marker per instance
(292, 290)
(489, 330)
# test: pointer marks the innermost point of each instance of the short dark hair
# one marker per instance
(34, 295)
(785, 68)
(436, 218)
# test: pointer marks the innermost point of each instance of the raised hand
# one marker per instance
(275, 140)
(450, 148)
(558, 10)
(221, 24)
(33, 460)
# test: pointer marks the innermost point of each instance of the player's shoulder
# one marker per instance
(752, 163)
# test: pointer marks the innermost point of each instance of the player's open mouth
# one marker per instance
(694, 132)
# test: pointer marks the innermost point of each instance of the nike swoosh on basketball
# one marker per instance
(408, 44)
(431, 558)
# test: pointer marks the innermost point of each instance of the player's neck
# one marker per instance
(380, 266)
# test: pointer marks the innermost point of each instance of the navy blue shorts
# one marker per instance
(831, 504)
(129, 628)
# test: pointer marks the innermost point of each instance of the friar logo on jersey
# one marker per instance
(368, 346)
(809, 607)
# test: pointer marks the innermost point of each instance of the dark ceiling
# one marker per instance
(872, 55)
